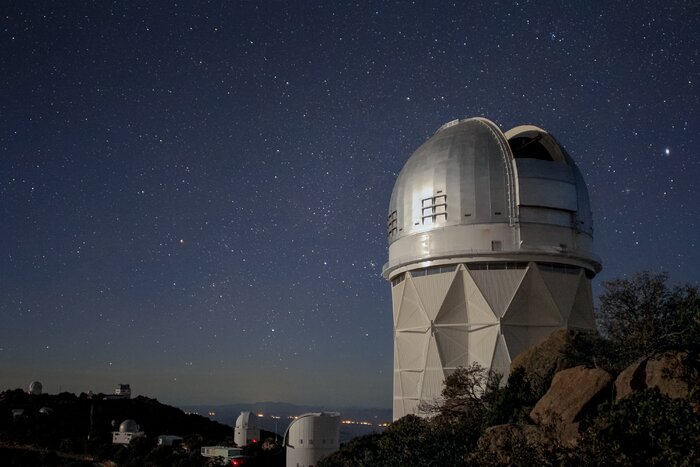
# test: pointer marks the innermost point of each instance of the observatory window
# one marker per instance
(561, 268)
(496, 245)
(391, 224)
(434, 209)
(497, 265)
(432, 270)
(398, 279)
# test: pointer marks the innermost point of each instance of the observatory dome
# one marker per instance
(246, 430)
(35, 388)
(472, 189)
(129, 426)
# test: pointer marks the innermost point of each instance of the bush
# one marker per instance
(645, 428)
(642, 316)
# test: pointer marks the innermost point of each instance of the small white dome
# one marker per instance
(129, 426)
(35, 388)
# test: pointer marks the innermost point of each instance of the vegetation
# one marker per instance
(66, 435)
(642, 315)
(476, 422)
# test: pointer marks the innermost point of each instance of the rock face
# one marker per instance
(631, 379)
(544, 358)
(666, 371)
(574, 393)
(558, 352)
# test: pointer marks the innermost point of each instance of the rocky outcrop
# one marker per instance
(545, 358)
(668, 372)
(573, 394)
(631, 379)
(561, 350)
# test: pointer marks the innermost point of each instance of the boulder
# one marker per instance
(668, 373)
(631, 379)
(562, 349)
(544, 358)
(573, 394)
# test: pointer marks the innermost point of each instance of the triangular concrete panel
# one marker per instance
(452, 346)
(398, 409)
(411, 314)
(411, 349)
(433, 375)
(501, 360)
(562, 287)
(410, 383)
(481, 344)
(432, 290)
(410, 406)
(432, 355)
(498, 286)
(396, 352)
(454, 308)
(396, 297)
(478, 309)
(433, 381)
(532, 304)
(581, 316)
(520, 338)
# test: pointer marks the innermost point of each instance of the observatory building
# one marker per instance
(311, 437)
(128, 430)
(35, 388)
(490, 250)
(247, 430)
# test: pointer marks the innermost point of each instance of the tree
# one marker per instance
(641, 316)
(645, 428)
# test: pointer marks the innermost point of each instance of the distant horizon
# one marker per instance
(205, 404)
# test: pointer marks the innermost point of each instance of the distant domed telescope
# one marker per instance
(35, 388)
(247, 430)
(490, 251)
(311, 437)
(128, 430)
(129, 426)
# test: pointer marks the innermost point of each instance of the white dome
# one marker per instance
(35, 388)
(129, 426)
(471, 189)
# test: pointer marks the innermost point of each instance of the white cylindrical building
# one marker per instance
(247, 430)
(310, 437)
(490, 250)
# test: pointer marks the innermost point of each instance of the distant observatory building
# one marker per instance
(128, 430)
(311, 437)
(490, 250)
(35, 388)
(247, 430)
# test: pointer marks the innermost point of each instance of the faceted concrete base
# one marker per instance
(487, 313)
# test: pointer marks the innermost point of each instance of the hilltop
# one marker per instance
(78, 430)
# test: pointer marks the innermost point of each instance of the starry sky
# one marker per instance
(193, 195)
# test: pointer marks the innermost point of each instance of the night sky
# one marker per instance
(193, 195)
